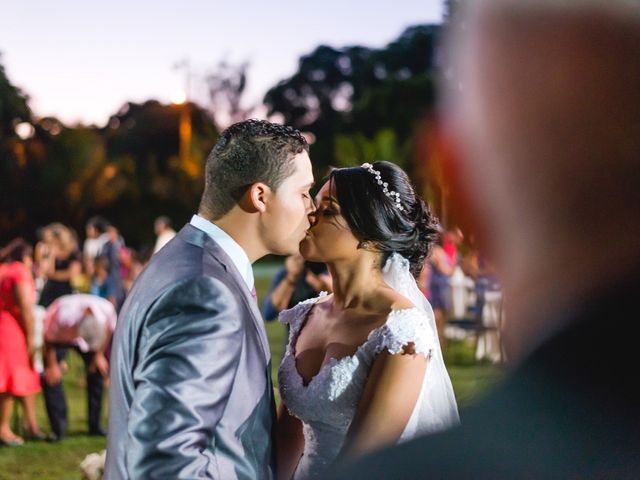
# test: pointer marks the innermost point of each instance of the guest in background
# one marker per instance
(18, 378)
(104, 286)
(42, 258)
(83, 322)
(139, 259)
(113, 252)
(452, 241)
(164, 232)
(296, 281)
(441, 269)
(63, 263)
(96, 238)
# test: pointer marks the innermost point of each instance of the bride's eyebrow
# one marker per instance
(330, 200)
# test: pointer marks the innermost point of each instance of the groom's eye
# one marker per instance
(308, 198)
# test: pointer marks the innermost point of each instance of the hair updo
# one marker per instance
(374, 217)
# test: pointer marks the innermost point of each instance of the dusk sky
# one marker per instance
(80, 61)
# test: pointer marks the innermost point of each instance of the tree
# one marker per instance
(226, 87)
(351, 94)
(14, 109)
(142, 145)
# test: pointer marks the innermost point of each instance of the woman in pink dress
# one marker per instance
(18, 378)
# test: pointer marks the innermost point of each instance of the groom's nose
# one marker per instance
(312, 206)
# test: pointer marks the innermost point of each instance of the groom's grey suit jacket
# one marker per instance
(190, 393)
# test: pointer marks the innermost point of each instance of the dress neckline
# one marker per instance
(332, 362)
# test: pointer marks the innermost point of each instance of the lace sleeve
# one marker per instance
(405, 327)
(293, 317)
(288, 317)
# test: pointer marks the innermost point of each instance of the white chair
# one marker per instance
(489, 343)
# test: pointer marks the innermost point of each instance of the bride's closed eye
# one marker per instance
(326, 209)
(327, 212)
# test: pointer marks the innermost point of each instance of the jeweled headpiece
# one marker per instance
(395, 196)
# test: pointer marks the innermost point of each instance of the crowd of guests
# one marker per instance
(56, 297)
(456, 280)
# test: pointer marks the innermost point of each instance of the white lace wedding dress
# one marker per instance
(327, 405)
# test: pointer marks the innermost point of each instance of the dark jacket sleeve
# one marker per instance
(269, 312)
(187, 360)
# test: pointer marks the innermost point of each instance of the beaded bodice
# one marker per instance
(327, 404)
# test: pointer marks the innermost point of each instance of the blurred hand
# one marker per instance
(52, 374)
(100, 364)
(320, 283)
(31, 350)
(295, 266)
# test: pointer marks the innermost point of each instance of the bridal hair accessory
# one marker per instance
(395, 196)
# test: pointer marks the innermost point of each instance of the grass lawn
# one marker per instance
(41, 460)
(38, 460)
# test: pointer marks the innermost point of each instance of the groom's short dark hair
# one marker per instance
(248, 152)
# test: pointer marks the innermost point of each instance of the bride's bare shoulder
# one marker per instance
(394, 300)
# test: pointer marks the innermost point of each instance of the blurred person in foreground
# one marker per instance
(18, 378)
(191, 393)
(547, 130)
(85, 323)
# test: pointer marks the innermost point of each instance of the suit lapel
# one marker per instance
(197, 237)
(248, 299)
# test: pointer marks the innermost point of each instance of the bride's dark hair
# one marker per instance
(374, 217)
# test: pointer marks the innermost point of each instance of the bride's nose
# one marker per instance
(313, 218)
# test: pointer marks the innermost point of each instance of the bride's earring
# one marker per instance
(364, 245)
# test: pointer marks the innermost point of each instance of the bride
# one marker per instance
(363, 366)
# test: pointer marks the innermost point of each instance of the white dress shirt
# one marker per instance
(237, 255)
(164, 238)
(93, 246)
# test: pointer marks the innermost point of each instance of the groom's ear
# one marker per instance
(259, 196)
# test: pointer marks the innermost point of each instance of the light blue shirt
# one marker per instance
(237, 255)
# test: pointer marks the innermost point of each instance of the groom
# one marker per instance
(191, 394)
